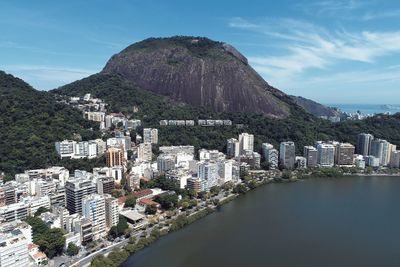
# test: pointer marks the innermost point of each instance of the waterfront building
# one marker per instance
(246, 142)
(360, 162)
(364, 144)
(310, 153)
(395, 159)
(325, 155)
(194, 184)
(251, 158)
(208, 174)
(287, 155)
(271, 155)
(344, 154)
(380, 150)
(372, 161)
(301, 163)
(225, 168)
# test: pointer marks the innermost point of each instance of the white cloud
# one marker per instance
(307, 46)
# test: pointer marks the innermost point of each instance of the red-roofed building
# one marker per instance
(144, 202)
(145, 193)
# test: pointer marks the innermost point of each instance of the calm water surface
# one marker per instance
(319, 222)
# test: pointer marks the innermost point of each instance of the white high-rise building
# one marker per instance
(380, 150)
(112, 213)
(225, 170)
(287, 155)
(271, 155)
(208, 174)
(246, 142)
(144, 152)
(14, 245)
(94, 209)
(150, 135)
(326, 155)
(232, 148)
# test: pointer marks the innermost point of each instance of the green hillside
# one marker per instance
(31, 121)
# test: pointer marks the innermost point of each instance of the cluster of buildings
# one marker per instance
(81, 205)
(94, 109)
(369, 151)
(199, 122)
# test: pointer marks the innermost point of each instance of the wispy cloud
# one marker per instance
(370, 15)
(332, 8)
(307, 46)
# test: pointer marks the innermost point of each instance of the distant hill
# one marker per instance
(31, 121)
(314, 108)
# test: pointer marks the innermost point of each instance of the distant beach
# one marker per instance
(367, 108)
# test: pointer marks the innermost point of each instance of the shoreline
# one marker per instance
(184, 220)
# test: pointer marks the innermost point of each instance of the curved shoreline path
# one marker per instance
(352, 221)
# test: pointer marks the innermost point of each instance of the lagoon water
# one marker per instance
(352, 221)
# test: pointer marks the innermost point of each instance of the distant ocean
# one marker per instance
(366, 108)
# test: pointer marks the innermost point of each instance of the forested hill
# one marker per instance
(31, 121)
(300, 127)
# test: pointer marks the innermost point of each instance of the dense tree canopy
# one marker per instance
(50, 240)
(31, 121)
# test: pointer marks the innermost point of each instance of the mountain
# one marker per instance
(200, 72)
(315, 108)
(161, 78)
(31, 122)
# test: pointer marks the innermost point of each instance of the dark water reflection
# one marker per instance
(338, 222)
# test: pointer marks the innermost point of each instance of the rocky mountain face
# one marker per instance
(199, 72)
(315, 108)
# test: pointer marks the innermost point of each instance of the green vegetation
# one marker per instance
(150, 210)
(300, 127)
(40, 211)
(130, 202)
(31, 122)
(50, 241)
(167, 201)
(120, 229)
(72, 249)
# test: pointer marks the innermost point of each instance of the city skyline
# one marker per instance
(328, 51)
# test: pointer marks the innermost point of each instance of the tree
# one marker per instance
(40, 211)
(150, 210)
(72, 249)
(215, 190)
(130, 202)
(240, 189)
(50, 241)
(119, 229)
(286, 174)
(116, 193)
(167, 201)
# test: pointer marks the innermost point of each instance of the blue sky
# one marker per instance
(329, 51)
